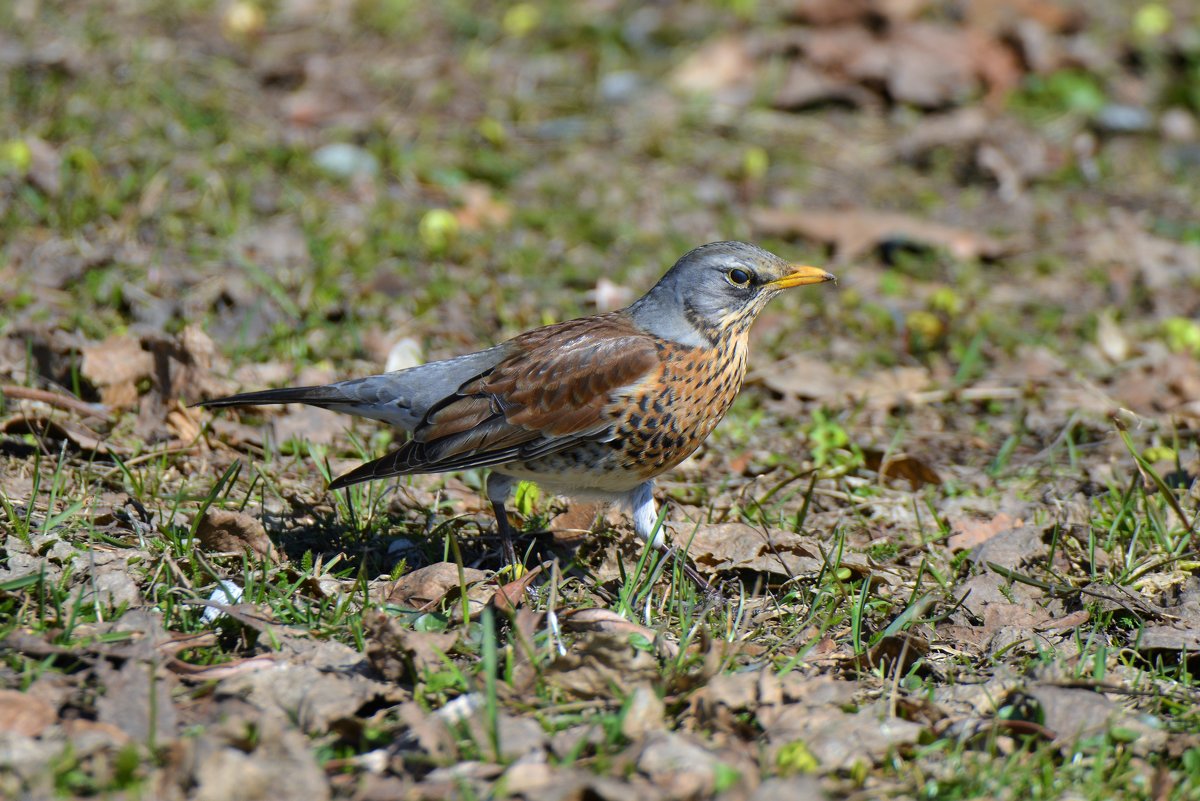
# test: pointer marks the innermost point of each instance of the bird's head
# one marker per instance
(717, 290)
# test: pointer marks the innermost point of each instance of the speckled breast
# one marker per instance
(659, 423)
(667, 420)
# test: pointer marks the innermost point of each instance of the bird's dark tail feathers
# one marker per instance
(313, 396)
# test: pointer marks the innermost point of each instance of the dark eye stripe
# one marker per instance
(739, 277)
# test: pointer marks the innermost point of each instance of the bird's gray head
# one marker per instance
(717, 290)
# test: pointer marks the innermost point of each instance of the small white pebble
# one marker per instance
(226, 593)
(460, 708)
(344, 160)
(404, 354)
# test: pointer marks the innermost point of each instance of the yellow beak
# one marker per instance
(803, 275)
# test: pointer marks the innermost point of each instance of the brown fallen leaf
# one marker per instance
(839, 739)
(774, 553)
(400, 654)
(428, 586)
(308, 424)
(969, 533)
(719, 66)
(999, 16)
(480, 209)
(893, 654)
(278, 762)
(509, 596)
(1168, 639)
(24, 714)
(965, 126)
(115, 366)
(137, 699)
(601, 663)
(804, 87)
(60, 428)
(854, 232)
(576, 524)
(931, 65)
(1011, 548)
(804, 377)
(644, 712)
(836, 12)
(1073, 713)
(45, 166)
(901, 466)
(681, 763)
(186, 365)
(229, 531)
(183, 422)
(606, 620)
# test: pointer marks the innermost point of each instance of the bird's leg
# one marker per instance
(645, 515)
(498, 487)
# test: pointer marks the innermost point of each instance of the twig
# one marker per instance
(969, 394)
(57, 399)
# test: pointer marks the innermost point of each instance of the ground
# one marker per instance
(952, 514)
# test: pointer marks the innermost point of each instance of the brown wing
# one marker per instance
(552, 392)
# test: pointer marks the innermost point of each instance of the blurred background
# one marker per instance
(1007, 190)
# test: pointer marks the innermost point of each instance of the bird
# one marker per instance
(593, 408)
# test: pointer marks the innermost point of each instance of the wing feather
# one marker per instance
(556, 388)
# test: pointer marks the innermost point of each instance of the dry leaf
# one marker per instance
(1072, 713)
(644, 712)
(836, 12)
(777, 554)
(901, 466)
(802, 376)
(804, 87)
(894, 654)
(931, 65)
(24, 714)
(1011, 547)
(717, 67)
(839, 739)
(679, 762)
(308, 424)
(400, 654)
(602, 663)
(576, 523)
(509, 596)
(1110, 338)
(854, 233)
(427, 586)
(45, 166)
(60, 428)
(137, 699)
(965, 126)
(229, 531)
(1168, 639)
(479, 209)
(608, 621)
(969, 533)
(115, 366)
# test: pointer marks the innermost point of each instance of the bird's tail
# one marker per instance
(313, 396)
(385, 397)
(400, 398)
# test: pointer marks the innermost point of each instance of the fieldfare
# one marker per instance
(593, 408)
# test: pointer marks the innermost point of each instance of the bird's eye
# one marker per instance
(738, 277)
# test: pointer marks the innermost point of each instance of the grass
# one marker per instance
(173, 175)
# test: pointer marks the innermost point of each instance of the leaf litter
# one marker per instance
(925, 521)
